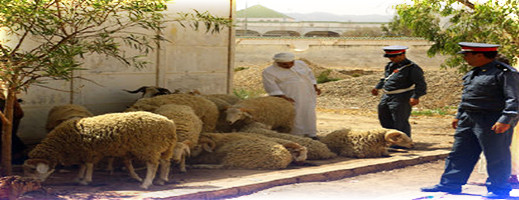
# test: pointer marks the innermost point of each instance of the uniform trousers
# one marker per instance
(472, 136)
(394, 111)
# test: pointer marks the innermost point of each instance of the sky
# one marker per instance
(340, 7)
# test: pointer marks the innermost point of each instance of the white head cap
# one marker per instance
(284, 57)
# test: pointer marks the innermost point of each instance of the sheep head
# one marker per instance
(181, 150)
(150, 91)
(204, 144)
(38, 169)
(395, 137)
(299, 153)
(234, 114)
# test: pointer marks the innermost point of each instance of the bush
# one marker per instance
(323, 77)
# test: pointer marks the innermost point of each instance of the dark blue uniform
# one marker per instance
(394, 109)
(490, 95)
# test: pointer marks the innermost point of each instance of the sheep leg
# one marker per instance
(131, 170)
(81, 173)
(164, 172)
(88, 174)
(182, 164)
(151, 170)
(110, 165)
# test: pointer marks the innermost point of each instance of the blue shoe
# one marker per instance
(439, 188)
(493, 195)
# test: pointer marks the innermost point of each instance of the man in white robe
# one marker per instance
(292, 80)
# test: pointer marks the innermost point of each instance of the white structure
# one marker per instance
(193, 59)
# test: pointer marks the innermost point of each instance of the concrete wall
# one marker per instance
(364, 54)
(193, 59)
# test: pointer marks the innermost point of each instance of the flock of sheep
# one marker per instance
(218, 129)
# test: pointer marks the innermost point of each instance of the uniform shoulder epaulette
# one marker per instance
(505, 67)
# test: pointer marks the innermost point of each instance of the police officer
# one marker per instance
(488, 108)
(403, 84)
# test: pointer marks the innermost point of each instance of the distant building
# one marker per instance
(259, 13)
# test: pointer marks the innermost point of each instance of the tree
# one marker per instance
(447, 22)
(61, 32)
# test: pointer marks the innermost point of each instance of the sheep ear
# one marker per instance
(42, 168)
(392, 136)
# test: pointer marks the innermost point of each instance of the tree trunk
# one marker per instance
(7, 128)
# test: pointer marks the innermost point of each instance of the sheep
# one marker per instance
(316, 149)
(275, 112)
(187, 122)
(229, 98)
(150, 91)
(222, 105)
(204, 109)
(365, 144)
(61, 113)
(239, 150)
(142, 135)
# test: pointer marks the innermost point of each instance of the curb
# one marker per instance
(329, 173)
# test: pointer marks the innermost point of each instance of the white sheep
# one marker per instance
(316, 149)
(187, 122)
(243, 151)
(181, 151)
(206, 110)
(61, 113)
(365, 144)
(275, 112)
(141, 135)
(229, 98)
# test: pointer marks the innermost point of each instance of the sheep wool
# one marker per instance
(364, 144)
(206, 110)
(228, 98)
(61, 113)
(187, 122)
(275, 112)
(316, 149)
(239, 151)
(143, 135)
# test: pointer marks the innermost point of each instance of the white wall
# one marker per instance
(193, 59)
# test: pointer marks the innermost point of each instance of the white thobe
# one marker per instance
(297, 83)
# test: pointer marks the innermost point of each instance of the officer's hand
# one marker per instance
(414, 101)
(455, 123)
(374, 91)
(500, 127)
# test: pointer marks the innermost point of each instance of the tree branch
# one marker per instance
(467, 3)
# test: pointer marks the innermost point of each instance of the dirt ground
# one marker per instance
(346, 103)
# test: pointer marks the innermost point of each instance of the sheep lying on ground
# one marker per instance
(187, 122)
(150, 91)
(316, 149)
(141, 135)
(61, 113)
(206, 110)
(239, 150)
(275, 112)
(365, 144)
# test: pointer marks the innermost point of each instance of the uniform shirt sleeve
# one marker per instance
(418, 79)
(269, 84)
(380, 84)
(511, 97)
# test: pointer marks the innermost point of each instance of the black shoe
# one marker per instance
(314, 138)
(438, 188)
(492, 195)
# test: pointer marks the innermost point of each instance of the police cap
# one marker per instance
(477, 47)
(395, 50)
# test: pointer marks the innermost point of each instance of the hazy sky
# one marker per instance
(340, 7)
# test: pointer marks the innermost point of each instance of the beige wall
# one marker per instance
(193, 59)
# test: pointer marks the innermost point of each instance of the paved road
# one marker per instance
(399, 184)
